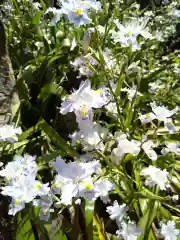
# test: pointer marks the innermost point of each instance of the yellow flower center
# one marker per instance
(44, 212)
(37, 186)
(88, 186)
(78, 12)
(16, 203)
(150, 154)
(130, 33)
(97, 93)
(170, 123)
(100, 91)
(84, 111)
(148, 115)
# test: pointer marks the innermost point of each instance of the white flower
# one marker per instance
(25, 165)
(15, 207)
(168, 123)
(175, 13)
(82, 65)
(165, 1)
(84, 118)
(131, 92)
(171, 147)
(112, 108)
(84, 96)
(50, 9)
(128, 33)
(147, 118)
(44, 203)
(154, 86)
(75, 137)
(36, 5)
(101, 188)
(90, 136)
(159, 36)
(117, 212)
(125, 40)
(56, 12)
(109, 60)
(156, 177)
(74, 178)
(128, 231)
(124, 146)
(175, 198)
(101, 29)
(76, 11)
(148, 148)
(9, 133)
(8, 8)
(21, 184)
(25, 189)
(169, 231)
(160, 113)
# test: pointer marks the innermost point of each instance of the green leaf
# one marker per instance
(60, 235)
(50, 156)
(164, 213)
(89, 213)
(37, 17)
(149, 214)
(99, 227)
(30, 131)
(24, 227)
(13, 146)
(149, 195)
(23, 89)
(54, 58)
(57, 139)
(50, 88)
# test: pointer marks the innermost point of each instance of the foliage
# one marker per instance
(100, 157)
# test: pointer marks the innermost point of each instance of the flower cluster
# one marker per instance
(77, 12)
(75, 180)
(22, 185)
(115, 71)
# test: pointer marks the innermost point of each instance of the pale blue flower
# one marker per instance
(175, 13)
(15, 207)
(127, 33)
(147, 146)
(73, 179)
(169, 230)
(162, 114)
(45, 202)
(76, 11)
(21, 165)
(9, 133)
(156, 176)
(165, 1)
(82, 64)
(101, 189)
(25, 189)
(117, 212)
(84, 96)
(171, 147)
(128, 231)
(168, 123)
